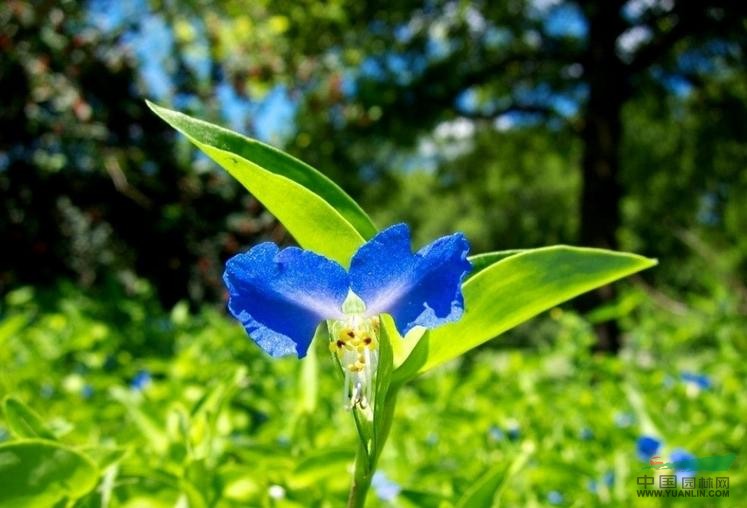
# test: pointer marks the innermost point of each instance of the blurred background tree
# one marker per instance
(523, 123)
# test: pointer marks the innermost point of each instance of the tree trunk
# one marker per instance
(601, 134)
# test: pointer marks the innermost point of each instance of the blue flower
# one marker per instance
(385, 489)
(554, 497)
(682, 458)
(87, 391)
(47, 391)
(609, 478)
(586, 434)
(623, 420)
(495, 433)
(141, 380)
(684, 463)
(647, 447)
(281, 296)
(699, 380)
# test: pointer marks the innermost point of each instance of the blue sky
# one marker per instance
(565, 20)
(149, 38)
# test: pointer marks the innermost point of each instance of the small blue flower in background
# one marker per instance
(586, 434)
(495, 433)
(623, 420)
(607, 480)
(281, 297)
(141, 380)
(647, 447)
(684, 464)
(698, 380)
(86, 391)
(385, 489)
(554, 497)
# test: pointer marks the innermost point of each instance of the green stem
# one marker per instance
(365, 460)
(361, 479)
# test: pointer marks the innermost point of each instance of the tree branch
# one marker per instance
(690, 19)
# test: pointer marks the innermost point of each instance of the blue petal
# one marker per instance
(647, 446)
(679, 455)
(281, 296)
(703, 382)
(422, 289)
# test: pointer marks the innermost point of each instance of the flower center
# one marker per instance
(354, 341)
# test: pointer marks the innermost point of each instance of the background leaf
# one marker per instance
(421, 499)
(149, 425)
(319, 467)
(487, 489)
(318, 213)
(38, 473)
(24, 422)
(515, 289)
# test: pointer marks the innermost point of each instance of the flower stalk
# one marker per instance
(369, 450)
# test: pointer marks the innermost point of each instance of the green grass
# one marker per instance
(221, 424)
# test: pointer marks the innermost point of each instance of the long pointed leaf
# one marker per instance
(483, 261)
(516, 289)
(487, 489)
(318, 213)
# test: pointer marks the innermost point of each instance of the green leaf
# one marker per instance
(209, 405)
(402, 346)
(384, 398)
(149, 424)
(308, 382)
(189, 495)
(482, 261)
(13, 324)
(516, 289)
(318, 213)
(23, 421)
(422, 499)
(483, 491)
(39, 473)
(104, 457)
(318, 467)
(488, 488)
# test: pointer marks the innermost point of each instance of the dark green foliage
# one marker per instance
(93, 185)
